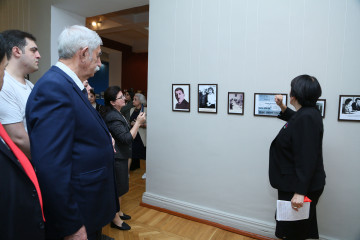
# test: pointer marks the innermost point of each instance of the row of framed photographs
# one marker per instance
(264, 103)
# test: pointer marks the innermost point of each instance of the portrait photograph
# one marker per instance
(207, 98)
(349, 108)
(321, 104)
(181, 97)
(265, 105)
(236, 103)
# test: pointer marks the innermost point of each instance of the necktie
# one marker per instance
(85, 92)
(25, 163)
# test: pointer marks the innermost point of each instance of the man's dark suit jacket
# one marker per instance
(296, 159)
(355, 107)
(183, 105)
(72, 151)
(20, 211)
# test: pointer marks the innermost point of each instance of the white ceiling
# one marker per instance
(88, 8)
(127, 27)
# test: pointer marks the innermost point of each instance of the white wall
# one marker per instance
(59, 20)
(215, 166)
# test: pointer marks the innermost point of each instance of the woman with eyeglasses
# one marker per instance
(124, 136)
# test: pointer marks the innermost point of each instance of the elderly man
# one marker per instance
(23, 55)
(71, 146)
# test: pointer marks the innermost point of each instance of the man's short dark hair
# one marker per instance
(179, 88)
(306, 89)
(16, 38)
(356, 99)
(2, 47)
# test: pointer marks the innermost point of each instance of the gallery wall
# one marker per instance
(215, 166)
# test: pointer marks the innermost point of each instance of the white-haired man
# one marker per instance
(71, 147)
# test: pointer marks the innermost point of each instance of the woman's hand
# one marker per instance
(141, 118)
(279, 102)
(113, 143)
(279, 99)
(297, 201)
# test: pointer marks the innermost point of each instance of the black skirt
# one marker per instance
(303, 229)
(121, 176)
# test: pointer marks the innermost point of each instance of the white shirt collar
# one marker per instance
(71, 74)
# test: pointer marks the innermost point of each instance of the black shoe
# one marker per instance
(125, 217)
(104, 237)
(124, 226)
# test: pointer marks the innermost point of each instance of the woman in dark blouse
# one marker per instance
(296, 165)
(123, 136)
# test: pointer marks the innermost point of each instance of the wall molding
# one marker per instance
(226, 221)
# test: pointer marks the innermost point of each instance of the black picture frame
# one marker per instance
(207, 98)
(321, 106)
(236, 101)
(184, 105)
(265, 106)
(348, 111)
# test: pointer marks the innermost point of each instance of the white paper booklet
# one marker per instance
(284, 211)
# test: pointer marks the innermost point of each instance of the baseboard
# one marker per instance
(226, 221)
(229, 222)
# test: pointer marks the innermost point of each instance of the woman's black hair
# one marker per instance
(2, 47)
(110, 94)
(92, 91)
(306, 89)
(347, 101)
(131, 93)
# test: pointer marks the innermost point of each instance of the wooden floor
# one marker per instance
(149, 224)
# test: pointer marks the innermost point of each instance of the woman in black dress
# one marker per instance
(123, 136)
(139, 144)
(296, 165)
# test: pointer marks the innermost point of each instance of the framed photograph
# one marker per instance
(349, 108)
(207, 98)
(236, 103)
(264, 104)
(321, 104)
(181, 97)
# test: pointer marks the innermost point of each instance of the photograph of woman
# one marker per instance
(296, 165)
(123, 135)
(347, 108)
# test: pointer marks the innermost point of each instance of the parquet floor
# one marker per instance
(149, 224)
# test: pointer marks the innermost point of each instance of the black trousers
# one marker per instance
(91, 236)
(302, 229)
